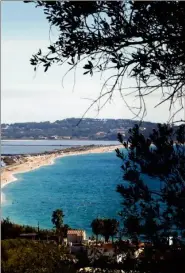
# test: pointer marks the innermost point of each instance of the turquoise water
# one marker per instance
(84, 186)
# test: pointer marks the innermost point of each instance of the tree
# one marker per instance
(155, 210)
(105, 227)
(12, 230)
(144, 41)
(114, 228)
(97, 225)
(57, 220)
(25, 256)
(65, 228)
(110, 228)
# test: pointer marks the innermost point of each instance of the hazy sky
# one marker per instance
(27, 96)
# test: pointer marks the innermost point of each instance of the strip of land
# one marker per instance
(28, 163)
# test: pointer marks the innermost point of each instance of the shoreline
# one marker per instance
(62, 139)
(33, 162)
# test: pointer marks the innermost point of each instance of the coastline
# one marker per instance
(32, 162)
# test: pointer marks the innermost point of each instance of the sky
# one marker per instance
(28, 96)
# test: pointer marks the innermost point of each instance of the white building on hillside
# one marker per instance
(76, 236)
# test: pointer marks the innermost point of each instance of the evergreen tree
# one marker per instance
(154, 210)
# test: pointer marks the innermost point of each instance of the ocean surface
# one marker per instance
(83, 186)
(40, 146)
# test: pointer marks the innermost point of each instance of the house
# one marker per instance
(66, 137)
(31, 236)
(100, 134)
(53, 137)
(95, 252)
(75, 236)
(142, 128)
(108, 250)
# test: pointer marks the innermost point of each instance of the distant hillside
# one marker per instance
(100, 129)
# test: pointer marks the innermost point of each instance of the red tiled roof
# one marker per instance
(108, 246)
(75, 232)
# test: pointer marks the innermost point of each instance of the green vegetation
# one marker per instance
(143, 42)
(60, 228)
(9, 160)
(21, 255)
(102, 129)
(152, 215)
(25, 256)
(105, 227)
(11, 230)
(57, 218)
(155, 213)
(97, 226)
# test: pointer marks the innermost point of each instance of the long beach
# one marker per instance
(32, 162)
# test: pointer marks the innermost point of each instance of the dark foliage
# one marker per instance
(141, 40)
(105, 227)
(58, 222)
(88, 128)
(97, 226)
(57, 218)
(10, 230)
(154, 210)
(23, 256)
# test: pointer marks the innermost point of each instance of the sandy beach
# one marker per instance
(32, 162)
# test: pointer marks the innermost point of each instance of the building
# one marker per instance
(31, 236)
(142, 128)
(108, 250)
(96, 251)
(100, 134)
(75, 236)
(53, 137)
(66, 137)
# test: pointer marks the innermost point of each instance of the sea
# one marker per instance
(40, 146)
(83, 186)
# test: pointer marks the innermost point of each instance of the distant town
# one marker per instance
(72, 128)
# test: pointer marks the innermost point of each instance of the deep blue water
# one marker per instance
(84, 186)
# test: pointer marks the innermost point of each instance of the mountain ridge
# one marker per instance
(88, 128)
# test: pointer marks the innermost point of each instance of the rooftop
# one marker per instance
(28, 234)
(75, 232)
(106, 246)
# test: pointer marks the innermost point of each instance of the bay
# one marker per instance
(84, 186)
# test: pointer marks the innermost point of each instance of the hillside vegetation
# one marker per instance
(100, 129)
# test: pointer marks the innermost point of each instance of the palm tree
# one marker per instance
(97, 225)
(57, 220)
